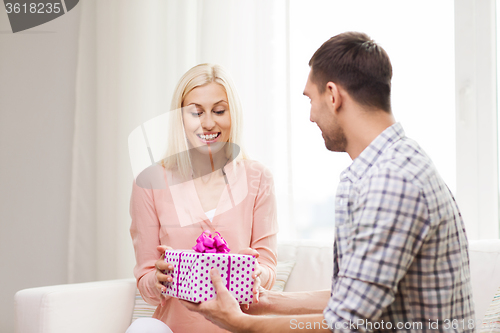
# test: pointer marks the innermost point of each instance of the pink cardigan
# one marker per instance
(173, 216)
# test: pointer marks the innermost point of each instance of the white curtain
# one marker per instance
(131, 54)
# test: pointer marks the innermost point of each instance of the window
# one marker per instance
(420, 43)
(476, 125)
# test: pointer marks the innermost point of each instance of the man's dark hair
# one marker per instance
(353, 61)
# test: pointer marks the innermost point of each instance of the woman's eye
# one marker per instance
(196, 114)
(219, 112)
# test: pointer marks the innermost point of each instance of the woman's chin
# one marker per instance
(210, 148)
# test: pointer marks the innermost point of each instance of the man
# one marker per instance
(400, 254)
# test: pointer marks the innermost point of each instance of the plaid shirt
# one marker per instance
(401, 258)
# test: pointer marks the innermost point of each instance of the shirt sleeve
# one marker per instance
(265, 226)
(388, 226)
(145, 229)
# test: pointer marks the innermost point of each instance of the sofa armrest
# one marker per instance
(104, 306)
(484, 273)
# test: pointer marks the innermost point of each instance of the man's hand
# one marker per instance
(223, 311)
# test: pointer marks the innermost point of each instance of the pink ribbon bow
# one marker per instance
(208, 243)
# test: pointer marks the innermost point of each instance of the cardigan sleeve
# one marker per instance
(265, 224)
(145, 232)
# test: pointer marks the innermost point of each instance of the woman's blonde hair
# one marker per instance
(177, 147)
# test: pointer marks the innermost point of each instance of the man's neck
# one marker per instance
(363, 127)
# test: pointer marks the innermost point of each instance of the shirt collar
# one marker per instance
(370, 154)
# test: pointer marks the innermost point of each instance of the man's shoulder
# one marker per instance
(405, 159)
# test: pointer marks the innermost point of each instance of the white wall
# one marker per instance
(37, 97)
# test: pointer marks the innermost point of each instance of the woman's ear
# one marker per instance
(334, 96)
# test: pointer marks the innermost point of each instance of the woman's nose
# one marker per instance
(208, 122)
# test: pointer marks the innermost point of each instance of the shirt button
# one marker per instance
(341, 202)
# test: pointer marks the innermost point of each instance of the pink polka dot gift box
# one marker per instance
(191, 273)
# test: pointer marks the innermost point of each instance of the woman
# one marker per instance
(210, 185)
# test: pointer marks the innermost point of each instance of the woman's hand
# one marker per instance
(162, 266)
(264, 305)
(256, 274)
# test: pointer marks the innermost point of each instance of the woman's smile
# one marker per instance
(209, 137)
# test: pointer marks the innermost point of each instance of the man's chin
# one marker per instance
(334, 147)
(328, 145)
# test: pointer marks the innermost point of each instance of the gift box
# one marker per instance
(191, 275)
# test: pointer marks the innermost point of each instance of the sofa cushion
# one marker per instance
(485, 273)
(313, 264)
(491, 320)
(141, 308)
(283, 270)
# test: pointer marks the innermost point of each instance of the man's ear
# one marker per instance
(334, 96)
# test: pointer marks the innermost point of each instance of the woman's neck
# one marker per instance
(205, 164)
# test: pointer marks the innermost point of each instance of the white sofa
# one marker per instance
(107, 306)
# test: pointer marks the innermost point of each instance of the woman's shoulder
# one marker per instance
(152, 178)
(256, 168)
